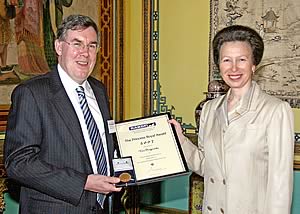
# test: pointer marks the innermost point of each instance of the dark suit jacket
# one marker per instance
(45, 150)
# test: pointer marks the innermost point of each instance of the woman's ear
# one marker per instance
(253, 68)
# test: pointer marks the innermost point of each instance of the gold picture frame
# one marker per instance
(297, 152)
(4, 110)
(109, 67)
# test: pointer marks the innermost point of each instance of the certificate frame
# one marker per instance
(154, 146)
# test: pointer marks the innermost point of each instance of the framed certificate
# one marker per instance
(153, 145)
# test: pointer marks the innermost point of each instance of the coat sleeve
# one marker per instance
(280, 139)
(23, 148)
(194, 155)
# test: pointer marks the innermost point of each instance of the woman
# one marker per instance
(246, 137)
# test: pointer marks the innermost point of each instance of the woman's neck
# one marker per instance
(235, 96)
(232, 101)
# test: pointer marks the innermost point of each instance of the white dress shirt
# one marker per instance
(70, 85)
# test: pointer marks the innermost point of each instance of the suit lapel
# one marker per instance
(66, 111)
(104, 108)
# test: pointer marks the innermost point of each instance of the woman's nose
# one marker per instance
(234, 66)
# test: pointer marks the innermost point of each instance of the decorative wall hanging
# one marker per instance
(278, 23)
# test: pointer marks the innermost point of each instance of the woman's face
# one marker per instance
(236, 65)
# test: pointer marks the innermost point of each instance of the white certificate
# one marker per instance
(154, 147)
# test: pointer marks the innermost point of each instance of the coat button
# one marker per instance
(222, 211)
(209, 208)
(212, 180)
(224, 182)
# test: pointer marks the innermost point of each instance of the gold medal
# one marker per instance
(125, 177)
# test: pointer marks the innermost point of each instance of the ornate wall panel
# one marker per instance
(277, 22)
(106, 47)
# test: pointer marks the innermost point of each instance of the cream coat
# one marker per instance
(247, 164)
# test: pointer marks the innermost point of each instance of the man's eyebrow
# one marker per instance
(78, 40)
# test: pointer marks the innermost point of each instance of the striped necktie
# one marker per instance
(94, 137)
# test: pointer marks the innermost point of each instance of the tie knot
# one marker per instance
(80, 90)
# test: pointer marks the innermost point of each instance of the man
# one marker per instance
(49, 146)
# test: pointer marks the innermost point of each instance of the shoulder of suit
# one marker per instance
(268, 99)
(216, 102)
(38, 83)
(36, 79)
(93, 80)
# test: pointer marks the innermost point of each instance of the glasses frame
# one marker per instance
(81, 47)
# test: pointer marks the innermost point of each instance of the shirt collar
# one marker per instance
(245, 101)
(69, 84)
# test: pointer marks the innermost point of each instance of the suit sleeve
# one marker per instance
(280, 137)
(23, 143)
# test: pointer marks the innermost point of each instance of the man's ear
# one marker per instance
(58, 47)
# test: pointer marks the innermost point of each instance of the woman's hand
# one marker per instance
(178, 130)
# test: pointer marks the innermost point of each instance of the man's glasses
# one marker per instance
(79, 46)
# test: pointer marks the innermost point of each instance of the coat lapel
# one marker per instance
(222, 129)
(66, 111)
(248, 103)
(219, 124)
(104, 108)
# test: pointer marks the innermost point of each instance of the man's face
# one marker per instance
(76, 54)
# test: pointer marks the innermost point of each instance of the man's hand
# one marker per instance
(102, 184)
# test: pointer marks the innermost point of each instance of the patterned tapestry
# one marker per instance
(278, 23)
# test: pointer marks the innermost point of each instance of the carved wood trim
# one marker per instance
(119, 60)
(147, 57)
(163, 210)
(4, 110)
(106, 47)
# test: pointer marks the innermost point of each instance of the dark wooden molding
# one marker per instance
(147, 13)
(105, 55)
(162, 210)
(4, 109)
(119, 60)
